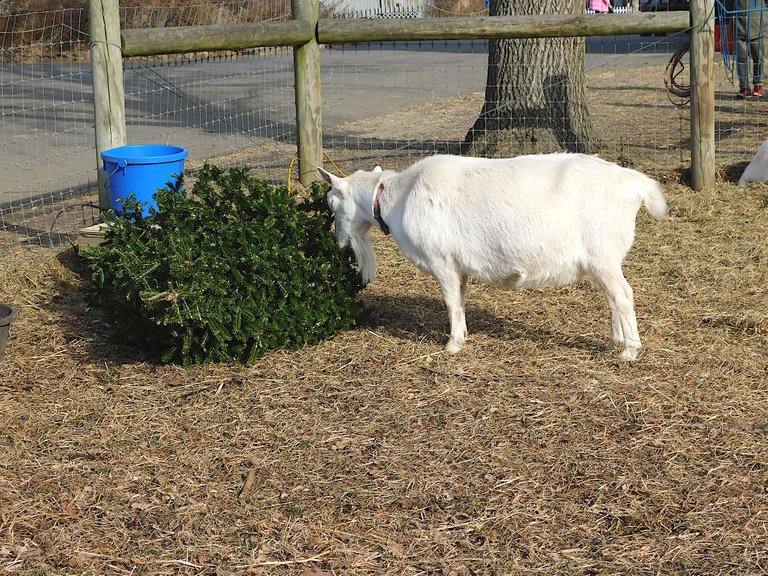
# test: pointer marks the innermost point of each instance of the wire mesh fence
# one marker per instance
(383, 103)
(435, 91)
(46, 111)
(228, 109)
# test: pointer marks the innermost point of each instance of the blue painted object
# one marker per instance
(141, 169)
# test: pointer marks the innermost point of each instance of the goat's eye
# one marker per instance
(333, 202)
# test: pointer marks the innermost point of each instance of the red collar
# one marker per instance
(377, 210)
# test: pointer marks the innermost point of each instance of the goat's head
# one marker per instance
(350, 199)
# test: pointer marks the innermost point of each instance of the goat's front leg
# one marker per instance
(454, 287)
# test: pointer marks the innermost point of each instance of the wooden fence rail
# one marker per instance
(181, 39)
(306, 32)
(151, 41)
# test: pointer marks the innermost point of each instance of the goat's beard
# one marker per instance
(362, 246)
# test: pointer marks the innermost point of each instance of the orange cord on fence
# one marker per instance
(339, 170)
(290, 169)
(295, 157)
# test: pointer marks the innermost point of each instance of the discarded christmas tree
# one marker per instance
(225, 273)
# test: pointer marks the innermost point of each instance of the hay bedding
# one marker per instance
(532, 452)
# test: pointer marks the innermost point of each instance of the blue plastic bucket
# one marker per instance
(141, 169)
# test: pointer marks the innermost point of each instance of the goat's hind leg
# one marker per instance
(617, 335)
(624, 330)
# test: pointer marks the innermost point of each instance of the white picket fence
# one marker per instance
(379, 9)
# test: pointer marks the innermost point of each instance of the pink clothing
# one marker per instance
(600, 5)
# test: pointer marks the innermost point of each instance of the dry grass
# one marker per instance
(532, 452)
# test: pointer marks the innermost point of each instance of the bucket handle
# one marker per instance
(121, 163)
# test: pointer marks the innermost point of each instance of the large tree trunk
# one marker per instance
(535, 96)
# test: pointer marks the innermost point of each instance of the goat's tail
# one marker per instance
(654, 200)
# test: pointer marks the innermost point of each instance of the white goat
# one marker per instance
(529, 221)
(757, 170)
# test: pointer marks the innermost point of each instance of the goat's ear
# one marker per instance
(377, 169)
(334, 181)
(327, 176)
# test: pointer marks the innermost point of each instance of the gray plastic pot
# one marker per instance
(7, 315)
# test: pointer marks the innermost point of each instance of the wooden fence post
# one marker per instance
(108, 91)
(306, 66)
(702, 93)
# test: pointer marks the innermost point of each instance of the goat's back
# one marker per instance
(529, 220)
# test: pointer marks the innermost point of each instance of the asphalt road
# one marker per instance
(212, 108)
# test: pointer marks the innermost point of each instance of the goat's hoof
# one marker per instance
(629, 353)
(453, 347)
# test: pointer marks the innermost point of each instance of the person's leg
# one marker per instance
(757, 65)
(742, 67)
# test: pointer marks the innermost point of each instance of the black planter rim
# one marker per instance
(7, 314)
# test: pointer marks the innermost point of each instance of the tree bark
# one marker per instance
(535, 96)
